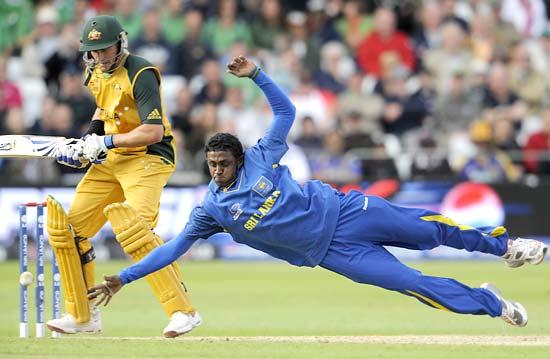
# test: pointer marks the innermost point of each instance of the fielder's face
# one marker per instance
(105, 58)
(223, 167)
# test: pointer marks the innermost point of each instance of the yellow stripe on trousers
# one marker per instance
(431, 302)
(446, 220)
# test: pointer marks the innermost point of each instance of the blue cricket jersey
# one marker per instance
(264, 208)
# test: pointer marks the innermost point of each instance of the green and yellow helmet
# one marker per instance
(101, 32)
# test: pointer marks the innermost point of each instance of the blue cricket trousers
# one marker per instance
(367, 223)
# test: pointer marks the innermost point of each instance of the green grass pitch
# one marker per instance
(274, 299)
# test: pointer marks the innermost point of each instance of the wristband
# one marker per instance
(255, 72)
(109, 142)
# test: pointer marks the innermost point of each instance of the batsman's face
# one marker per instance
(105, 58)
(223, 167)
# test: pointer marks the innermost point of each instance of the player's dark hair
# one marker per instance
(224, 142)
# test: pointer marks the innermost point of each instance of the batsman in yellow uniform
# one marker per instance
(131, 150)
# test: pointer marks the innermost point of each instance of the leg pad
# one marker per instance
(64, 247)
(137, 240)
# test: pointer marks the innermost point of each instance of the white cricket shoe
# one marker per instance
(181, 323)
(512, 312)
(67, 324)
(524, 250)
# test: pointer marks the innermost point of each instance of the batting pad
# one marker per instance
(62, 242)
(137, 240)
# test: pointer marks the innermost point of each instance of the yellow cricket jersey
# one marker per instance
(122, 106)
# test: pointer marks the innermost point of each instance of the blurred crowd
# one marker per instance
(383, 89)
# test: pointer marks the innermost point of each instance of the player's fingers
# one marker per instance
(101, 299)
(107, 300)
(93, 292)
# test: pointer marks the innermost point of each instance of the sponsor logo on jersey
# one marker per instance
(93, 85)
(235, 211)
(154, 115)
(262, 211)
(94, 35)
(117, 87)
(263, 186)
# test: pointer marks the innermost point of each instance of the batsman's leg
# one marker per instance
(63, 244)
(93, 193)
(137, 240)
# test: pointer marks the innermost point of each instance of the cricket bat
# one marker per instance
(29, 146)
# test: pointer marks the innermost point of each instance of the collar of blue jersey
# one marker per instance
(235, 185)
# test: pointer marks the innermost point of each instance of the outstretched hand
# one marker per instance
(105, 291)
(240, 66)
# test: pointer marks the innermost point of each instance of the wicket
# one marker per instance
(23, 267)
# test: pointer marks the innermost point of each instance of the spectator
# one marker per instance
(456, 12)
(488, 165)
(354, 26)
(45, 125)
(456, 109)
(250, 91)
(368, 105)
(453, 56)
(43, 43)
(76, 97)
(285, 69)
(296, 161)
(504, 138)
(310, 140)
(225, 29)
(238, 119)
(173, 28)
(540, 53)
(403, 111)
(14, 122)
(499, 101)
(537, 149)
(428, 36)
(66, 56)
(15, 23)
(192, 52)
(152, 44)
(10, 96)
(268, 25)
(482, 37)
(384, 39)
(20, 170)
(504, 34)
(333, 165)
(306, 47)
(356, 134)
(320, 26)
(130, 19)
(336, 67)
(528, 16)
(529, 84)
(212, 87)
(310, 101)
(181, 118)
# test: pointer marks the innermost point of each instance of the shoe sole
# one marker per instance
(59, 330)
(539, 260)
(521, 325)
(174, 334)
(533, 261)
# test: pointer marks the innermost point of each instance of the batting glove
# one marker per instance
(70, 153)
(95, 147)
